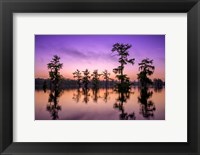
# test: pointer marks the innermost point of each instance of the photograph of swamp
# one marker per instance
(100, 77)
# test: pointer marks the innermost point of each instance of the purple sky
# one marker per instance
(94, 52)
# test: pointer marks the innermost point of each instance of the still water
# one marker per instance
(102, 104)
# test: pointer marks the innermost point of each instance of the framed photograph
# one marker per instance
(99, 77)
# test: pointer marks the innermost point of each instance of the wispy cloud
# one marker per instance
(87, 55)
(73, 52)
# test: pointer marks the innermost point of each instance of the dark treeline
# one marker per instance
(70, 84)
(156, 83)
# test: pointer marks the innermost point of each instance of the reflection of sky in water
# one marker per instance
(100, 106)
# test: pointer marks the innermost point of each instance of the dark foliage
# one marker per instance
(146, 69)
(54, 66)
(95, 79)
(86, 79)
(123, 53)
(78, 76)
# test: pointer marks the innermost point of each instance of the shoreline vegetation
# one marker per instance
(72, 84)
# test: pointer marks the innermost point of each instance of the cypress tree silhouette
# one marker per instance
(123, 53)
(78, 76)
(106, 75)
(146, 69)
(95, 79)
(54, 66)
(85, 79)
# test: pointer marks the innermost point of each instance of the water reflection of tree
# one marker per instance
(86, 95)
(77, 95)
(158, 90)
(122, 98)
(147, 107)
(96, 95)
(53, 107)
(106, 95)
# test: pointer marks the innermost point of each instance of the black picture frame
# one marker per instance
(8, 7)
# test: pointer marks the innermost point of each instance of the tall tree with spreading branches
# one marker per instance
(54, 66)
(122, 53)
(147, 106)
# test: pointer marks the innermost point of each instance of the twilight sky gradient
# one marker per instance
(94, 52)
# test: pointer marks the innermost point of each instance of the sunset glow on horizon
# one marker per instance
(94, 52)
